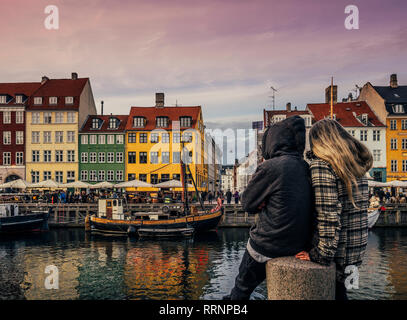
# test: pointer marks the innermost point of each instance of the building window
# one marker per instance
(19, 158)
(71, 155)
(6, 137)
(59, 117)
(165, 157)
(154, 157)
(35, 176)
(19, 137)
(101, 157)
(132, 138)
(393, 166)
(185, 121)
(176, 157)
(102, 139)
(110, 139)
(71, 136)
(154, 137)
(35, 117)
(84, 175)
(84, 157)
(47, 117)
(59, 136)
(113, 123)
(376, 135)
(404, 144)
(3, 99)
(110, 157)
(142, 177)
(393, 144)
(59, 156)
(59, 176)
(53, 100)
(6, 117)
(165, 138)
(84, 139)
(68, 100)
(71, 117)
(37, 100)
(143, 137)
(70, 176)
(47, 155)
(119, 175)
(139, 122)
(35, 137)
(19, 99)
(119, 157)
(110, 175)
(92, 175)
(176, 137)
(143, 157)
(93, 139)
(92, 157)
(47, 136)
(363, 135)
(131, 176)
(165, 177)
(404, 163)
(154, 178)
(376, 155)
(119, 139)
(131, 157)
(393, 124)
(20, 117)
(95, 124)
(162, 122)
(398, 108)
(47, 175)
(35, 156)
(101, 175)
(6, 158)
(403, 124)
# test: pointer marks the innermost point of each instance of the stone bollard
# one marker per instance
(289, 278)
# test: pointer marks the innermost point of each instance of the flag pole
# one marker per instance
(332, 101)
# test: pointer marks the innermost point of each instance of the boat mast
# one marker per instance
(183, 179)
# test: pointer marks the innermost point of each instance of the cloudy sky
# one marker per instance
(221, 54)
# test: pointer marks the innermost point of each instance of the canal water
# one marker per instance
(97, 267)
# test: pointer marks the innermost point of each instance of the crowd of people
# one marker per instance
(381, 197)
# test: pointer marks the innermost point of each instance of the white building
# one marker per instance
(227, 178)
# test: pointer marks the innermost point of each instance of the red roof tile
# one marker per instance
(345, 112)
(12, 89)
(150, 113)
(87, 126)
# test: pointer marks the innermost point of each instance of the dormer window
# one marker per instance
(53, 100)
(19, 98)
(365, 119)
(113, 123)
(3, 99)
(139, 122)
(185, 121)
(162, 122)
(95, 123)
(37, 100)
(398, 108)
(68, 100)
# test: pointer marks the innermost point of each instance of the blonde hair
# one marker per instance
(349, 158)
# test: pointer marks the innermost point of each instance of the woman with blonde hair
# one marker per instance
(338, 166)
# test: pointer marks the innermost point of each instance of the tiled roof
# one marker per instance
(87, 127)
(150, 113)
(345, 112)
(12, 89)
(392, 95)
(59, 88)
(287, 113)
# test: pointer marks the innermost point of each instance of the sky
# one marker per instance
(221, 54)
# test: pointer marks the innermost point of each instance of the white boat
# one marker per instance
(372, 217)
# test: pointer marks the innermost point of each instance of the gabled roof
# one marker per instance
(346, 113)
(13, 89)
(150, 114)
(59, 88)
(392, 95)
(87, 126)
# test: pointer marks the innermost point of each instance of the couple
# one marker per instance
(315, 212)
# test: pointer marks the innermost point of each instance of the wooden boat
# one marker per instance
(166, 232)
(12, 221)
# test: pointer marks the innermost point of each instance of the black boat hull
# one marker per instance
(24, 223)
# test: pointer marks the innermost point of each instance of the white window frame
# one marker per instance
(6, 117)
(84, 157)
(19, 116)
(19, 137)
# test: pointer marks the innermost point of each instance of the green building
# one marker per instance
(102, 149)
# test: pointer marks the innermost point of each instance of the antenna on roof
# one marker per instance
(176, 103)
(273, 96)
(101, 103)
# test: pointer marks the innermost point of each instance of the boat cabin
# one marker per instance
(8, 210)
(111, 209)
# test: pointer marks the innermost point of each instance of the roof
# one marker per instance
(287, 113)
(393, 96)
(59, 88)
(87, 126)
(150, 114)
(13, 89)
(346, 113)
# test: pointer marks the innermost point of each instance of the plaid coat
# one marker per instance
(341, 229)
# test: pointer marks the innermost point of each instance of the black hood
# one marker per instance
(287, 136)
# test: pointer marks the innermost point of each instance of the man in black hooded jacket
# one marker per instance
(280, 192)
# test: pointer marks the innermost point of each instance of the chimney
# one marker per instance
(159, 99)
(288, 106)
(44, 79)
(393, 81)
(74, 76)
(328, 94)
(101, 103)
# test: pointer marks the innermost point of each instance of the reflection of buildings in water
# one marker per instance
(11, 273)
(166, 270)
(397, 257)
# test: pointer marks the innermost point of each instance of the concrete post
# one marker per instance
(289, 278)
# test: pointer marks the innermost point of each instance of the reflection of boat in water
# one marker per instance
(373, 215)
(12, 221)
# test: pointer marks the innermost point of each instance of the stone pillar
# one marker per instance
(289, 278)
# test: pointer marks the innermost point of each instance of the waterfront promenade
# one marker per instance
(73, 215)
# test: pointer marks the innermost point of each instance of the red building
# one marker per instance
(13, 101)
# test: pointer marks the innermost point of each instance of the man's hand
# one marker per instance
(303, 255)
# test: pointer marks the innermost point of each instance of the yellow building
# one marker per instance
(54, 116)
(154, 137)
(390, 105)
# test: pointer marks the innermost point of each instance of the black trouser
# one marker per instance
(251, 274)
(340, 291)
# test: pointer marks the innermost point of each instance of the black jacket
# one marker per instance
(282, 184)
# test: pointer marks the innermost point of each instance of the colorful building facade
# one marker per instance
(102, 149)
